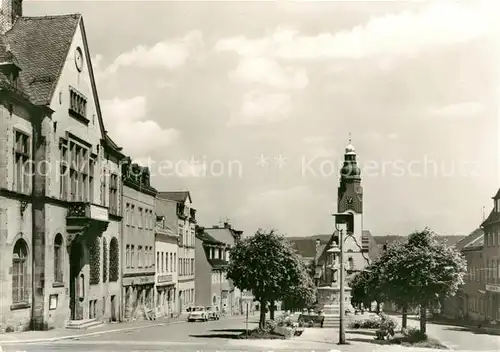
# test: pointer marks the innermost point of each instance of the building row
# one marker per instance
(84, 236)
(479, 298)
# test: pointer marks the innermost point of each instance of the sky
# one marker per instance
(249, 106)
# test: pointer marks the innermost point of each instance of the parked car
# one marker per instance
(213, 312)
(198, 313)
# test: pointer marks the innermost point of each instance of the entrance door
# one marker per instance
(181, 303)
(113, 308)
(77, 280)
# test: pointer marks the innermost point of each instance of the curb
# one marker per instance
(75, 337)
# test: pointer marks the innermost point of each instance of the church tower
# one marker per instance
(350, 199)
(350, 194)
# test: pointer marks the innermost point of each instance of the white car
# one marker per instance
(213, 312)
(198, 313)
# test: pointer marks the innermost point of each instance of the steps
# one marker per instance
(83, 324)
(331, 321)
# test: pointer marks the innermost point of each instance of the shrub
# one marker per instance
(371, 323)
(413, 335)
(270, 326)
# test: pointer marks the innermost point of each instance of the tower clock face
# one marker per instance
(79, 59)
(350, 200)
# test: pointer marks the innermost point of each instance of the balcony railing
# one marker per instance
(86, 210)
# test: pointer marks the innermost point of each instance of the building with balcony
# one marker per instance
(186, 223)
(59, 178)
(138, 262)
(212, 259)
(491, 255)
(166, 248)
(229, 236)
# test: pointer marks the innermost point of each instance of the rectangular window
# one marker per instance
(63, 170)
(162, 262)
(91, 180)
(113, 194)
(127, 256)
(132, 256)
(170, 259)
(139, 256)
(103, 187)
(22, 160)
(174, 262)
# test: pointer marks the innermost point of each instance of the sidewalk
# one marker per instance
(69, 334)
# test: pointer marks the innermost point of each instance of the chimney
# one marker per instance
(10, 10)
(226, 225)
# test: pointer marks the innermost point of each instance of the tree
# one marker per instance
(394, 288)
(420, 271)
(301, 293)
(267, 265)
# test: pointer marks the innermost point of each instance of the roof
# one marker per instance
(494, 217)
(477, 243)
(472, 240)
(497, 195)
(223, 234)
(41, 45)
(206, 238)
(176, 196)
(381, 240)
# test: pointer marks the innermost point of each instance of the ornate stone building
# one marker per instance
(59, 178)
(138, 263)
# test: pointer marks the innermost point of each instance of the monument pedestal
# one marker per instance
(329, 299)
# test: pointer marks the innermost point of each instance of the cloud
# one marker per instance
(269, 72)
(169, 54)
(463, 109)
(273, 207)
(403, 33)
(128, 125)
(259, 108)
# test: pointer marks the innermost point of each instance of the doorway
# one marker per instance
(113, 308)
(77, 280)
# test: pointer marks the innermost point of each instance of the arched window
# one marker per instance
(104, 260)
(20, 280)
(114, 261)
(58, 258)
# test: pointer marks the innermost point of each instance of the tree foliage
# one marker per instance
(420, 271)
(268, 265)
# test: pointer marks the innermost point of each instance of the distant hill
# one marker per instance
(307, 245)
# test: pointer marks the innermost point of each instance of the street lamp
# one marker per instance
(345, 219)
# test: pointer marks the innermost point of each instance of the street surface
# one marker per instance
(219, 336)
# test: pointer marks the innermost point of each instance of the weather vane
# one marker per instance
(350, 137)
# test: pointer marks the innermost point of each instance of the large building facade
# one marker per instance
(186, 225)
(212, 259)
(166, 248)
(138, 262)
(59, 179)
(229, 236)
(491, 254)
